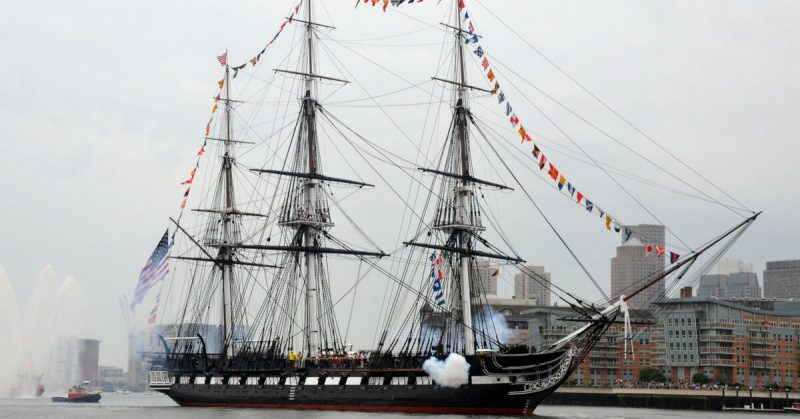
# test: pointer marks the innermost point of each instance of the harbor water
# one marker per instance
(157, 406)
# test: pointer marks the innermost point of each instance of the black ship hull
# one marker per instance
(500, 385)
(474, 399)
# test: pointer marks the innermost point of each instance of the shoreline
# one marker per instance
(679, 399)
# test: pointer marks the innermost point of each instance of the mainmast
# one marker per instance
(465, 191)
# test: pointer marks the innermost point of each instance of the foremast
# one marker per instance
(227, 248)
(309, 113)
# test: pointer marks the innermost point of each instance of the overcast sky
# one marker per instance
(104, 105)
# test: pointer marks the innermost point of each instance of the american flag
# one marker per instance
(154, 270)
(223, 59)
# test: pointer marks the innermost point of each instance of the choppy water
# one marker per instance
(157, 406)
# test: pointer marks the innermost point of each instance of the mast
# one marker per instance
(226, 251)
(312, 321)
(465, 190)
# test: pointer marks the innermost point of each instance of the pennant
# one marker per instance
(186, 194)
(659, 250)
(490, 75)
(514, 120)
(471, 28)
(479, 51)
(485, 63)
(217, 98)
(553, 172)
(508, 109)
(608, 223)
(223, 59)
(589, 205)
(580, 197)
(385, 4)
(602, 213)
(496, 88)
(236, 69)
(561, 182)
(473, 39)
(191, 178)
(571, 189)
(221, 83)
(617, 228)
(501, 97)
(542, 161)
(202, 150)
(461, 4)
(673, 257)
(627, 234)
(466, 14)
(183, 204)
(254, 60)
(536, 151)
(522, 132)
(648, 250)
(214, 108)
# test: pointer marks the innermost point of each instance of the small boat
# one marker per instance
(79, 394)
(794, 408)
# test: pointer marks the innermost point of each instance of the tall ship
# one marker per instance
(270, 253)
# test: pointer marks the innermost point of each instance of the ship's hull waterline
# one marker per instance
(471, 399)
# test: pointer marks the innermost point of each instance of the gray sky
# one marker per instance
(104, 105)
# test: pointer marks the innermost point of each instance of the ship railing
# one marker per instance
(159, 380)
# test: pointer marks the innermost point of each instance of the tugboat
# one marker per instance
(79, 394)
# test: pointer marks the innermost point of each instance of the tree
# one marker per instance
(651, 375)
(700, 378)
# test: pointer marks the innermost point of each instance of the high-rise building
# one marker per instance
(782, 279)
(732, 266)
(63, 367)
(488, 275)
(532, 282)
(633, 267)
(734, 279)
(712, 285)
(89, 361)
(743, 285)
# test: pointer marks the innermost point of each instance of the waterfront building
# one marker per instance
(632, 265)
(752, 342)
(111, 378)
(608, 362)
(782, 279)
(533, 282)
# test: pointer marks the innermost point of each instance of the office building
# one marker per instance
(633, 266)
(89, 361)
(488, 275)
(532, 282)
(782, 279)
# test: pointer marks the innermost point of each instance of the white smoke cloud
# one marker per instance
(452, 372)
(497, 324)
